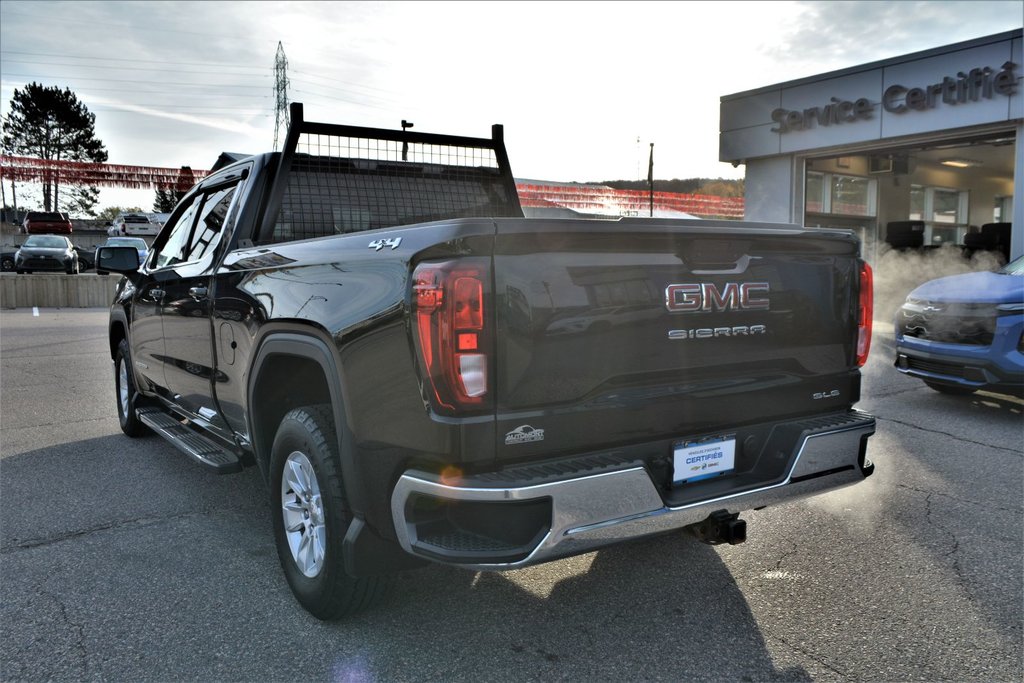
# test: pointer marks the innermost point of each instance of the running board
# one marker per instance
(196, 446)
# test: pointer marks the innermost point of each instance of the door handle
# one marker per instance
(197, 293)
(157, 294)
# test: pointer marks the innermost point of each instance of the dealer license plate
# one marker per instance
(697, 460)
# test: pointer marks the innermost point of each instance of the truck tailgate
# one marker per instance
(620, 332)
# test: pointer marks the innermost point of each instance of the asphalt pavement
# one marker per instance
(120, 560)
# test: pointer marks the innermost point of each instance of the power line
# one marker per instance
(135, 68)
(132, 80)
(52, 17)
(208, 64)
(88, 89)
(107, 107)
(345, 100)
(348, 83)
(130, 61)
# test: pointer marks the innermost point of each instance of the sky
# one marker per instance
(582, 88)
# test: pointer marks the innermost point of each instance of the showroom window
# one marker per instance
(841, 195)
(1002, 209)
(943, 210)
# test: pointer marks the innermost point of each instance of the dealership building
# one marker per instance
(931, 142)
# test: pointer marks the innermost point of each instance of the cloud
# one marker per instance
(230, 125)
(575, 84)
(831, 35)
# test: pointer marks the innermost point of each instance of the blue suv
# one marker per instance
(963, 333)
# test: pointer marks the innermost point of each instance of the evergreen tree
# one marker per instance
(165, 201)
(52, 124)
(81, 200)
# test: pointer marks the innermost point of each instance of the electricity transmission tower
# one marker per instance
(280, 92)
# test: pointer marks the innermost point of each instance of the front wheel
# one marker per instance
(950, 389)
(7, 264)
(124, 390)
(311, 516)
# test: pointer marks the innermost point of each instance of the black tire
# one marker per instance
(950, 389)
(126, 400)
(323, 588)
(18, 272)
(7, 264)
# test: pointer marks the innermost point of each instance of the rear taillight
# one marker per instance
(865, 314)
(452, 333)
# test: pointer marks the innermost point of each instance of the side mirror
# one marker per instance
(124, 260)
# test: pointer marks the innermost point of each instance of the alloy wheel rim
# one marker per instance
(122, 387)
(303, 512)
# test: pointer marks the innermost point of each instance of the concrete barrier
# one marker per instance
(57, 290)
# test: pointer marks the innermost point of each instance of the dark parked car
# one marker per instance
(965, 332)
(46, 223)
(86, 258)
(46, 252)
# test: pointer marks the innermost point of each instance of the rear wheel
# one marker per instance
(124, 390)
(951, 389)
(311, 516)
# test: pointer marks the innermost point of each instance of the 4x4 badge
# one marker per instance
(393, 242)
(523, 434)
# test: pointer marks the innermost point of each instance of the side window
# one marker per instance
(198, 229)
(173, 250)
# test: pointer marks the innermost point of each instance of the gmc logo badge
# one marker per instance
(705, 297)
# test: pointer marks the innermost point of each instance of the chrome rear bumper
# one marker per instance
(588, 512)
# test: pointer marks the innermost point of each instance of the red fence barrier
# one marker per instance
(608, 201)
(586, 199)
(31, 170)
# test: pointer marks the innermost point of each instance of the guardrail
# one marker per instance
(57, 290)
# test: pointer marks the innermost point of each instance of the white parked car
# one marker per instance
(133, 225)
(159, 218)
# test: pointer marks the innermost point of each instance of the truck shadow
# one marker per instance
(662, 608)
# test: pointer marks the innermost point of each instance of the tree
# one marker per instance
(164, 201)
(722, 188)
(82, 200)
(109, 213)
(52, 124)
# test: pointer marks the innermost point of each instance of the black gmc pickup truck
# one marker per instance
(422, 374)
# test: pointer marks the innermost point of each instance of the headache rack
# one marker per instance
(337, 179)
